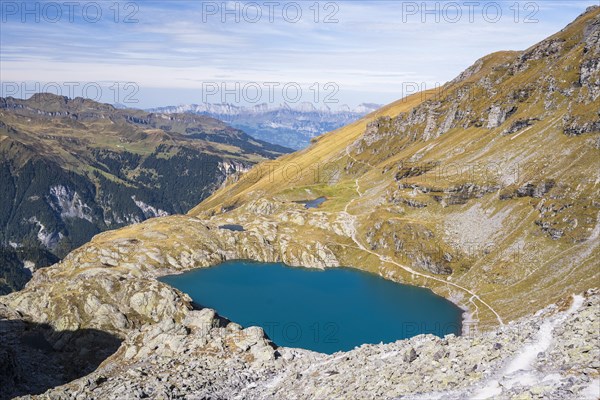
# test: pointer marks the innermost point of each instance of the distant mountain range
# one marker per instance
(287, 125)
(71, 168)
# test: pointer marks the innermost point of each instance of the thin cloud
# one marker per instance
(370, 52)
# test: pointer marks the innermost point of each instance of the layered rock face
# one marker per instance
(110, 284)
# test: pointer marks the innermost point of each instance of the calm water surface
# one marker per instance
(315, 203)
(326, 311)
(232, 227)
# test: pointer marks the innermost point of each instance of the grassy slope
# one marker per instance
(106, 156)
(70, 141)
(308, 168)
(517, 266)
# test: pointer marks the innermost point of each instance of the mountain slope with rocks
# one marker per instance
(485, 191)
(73, 168)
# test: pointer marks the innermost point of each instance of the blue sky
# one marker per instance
(176, 52)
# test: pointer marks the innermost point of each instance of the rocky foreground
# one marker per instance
(552, 355)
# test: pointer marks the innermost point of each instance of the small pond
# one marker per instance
(312, 203)
(232, 227)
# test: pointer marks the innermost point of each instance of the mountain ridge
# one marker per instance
(291, 125)
(72, 168)
(233, 109)
(457, 183)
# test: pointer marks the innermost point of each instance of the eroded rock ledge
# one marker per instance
(170, 350)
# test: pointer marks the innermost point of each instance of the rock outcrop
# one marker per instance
(552, 355)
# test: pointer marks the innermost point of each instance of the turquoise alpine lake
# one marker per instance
(326, 311)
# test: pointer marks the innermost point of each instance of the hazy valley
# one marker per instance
(287, 125)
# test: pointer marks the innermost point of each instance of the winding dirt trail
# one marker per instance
(386, 259)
